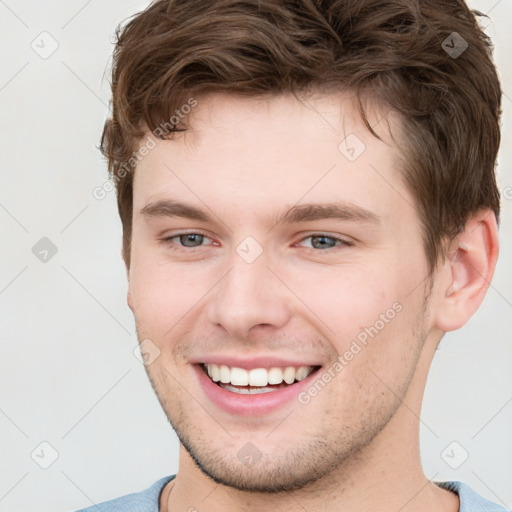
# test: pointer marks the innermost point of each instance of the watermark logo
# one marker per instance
(44, 250)
(249, 455)
(147, 352)
(352, 147)
(249, 249)
(454, 45)
(455, 455)
(44, 455)
(45, 45)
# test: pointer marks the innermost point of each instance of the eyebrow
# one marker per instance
(298, 213)
(338, 211)
(167, 208)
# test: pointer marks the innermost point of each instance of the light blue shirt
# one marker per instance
(148, 500)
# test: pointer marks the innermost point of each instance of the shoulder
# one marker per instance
(144, 501)
(470, 501)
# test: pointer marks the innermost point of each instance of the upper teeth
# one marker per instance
(256, 376)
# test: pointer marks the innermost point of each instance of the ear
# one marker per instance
(127, 268)
(466, 273)
(129, 298)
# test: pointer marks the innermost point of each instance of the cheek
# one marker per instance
(346, 299)
(164, 295)
(366, 314)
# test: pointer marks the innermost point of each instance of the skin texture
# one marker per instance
(354, 446)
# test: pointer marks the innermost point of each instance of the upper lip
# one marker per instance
(254, 362)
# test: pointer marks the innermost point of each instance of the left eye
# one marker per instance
(322, 241)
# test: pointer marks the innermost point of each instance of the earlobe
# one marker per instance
(468, 271)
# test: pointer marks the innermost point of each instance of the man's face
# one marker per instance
(307, 291)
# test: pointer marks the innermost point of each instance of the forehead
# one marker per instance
(273, 123)
(262, 152)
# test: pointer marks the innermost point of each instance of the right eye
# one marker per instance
(190, 240)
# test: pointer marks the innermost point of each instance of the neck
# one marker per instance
(385, 476)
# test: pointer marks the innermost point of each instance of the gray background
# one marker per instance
(69, 376)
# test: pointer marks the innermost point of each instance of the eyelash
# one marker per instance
(168, 241)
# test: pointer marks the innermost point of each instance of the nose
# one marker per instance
(249, 295)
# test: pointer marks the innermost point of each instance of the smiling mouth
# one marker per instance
(257, 380)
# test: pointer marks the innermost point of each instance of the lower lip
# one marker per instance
(250, 405)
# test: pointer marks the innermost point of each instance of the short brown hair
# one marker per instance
(397, 51)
